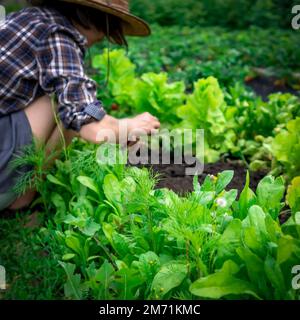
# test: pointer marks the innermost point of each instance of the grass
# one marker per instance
(32, 272)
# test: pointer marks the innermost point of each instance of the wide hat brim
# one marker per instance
(132, 25)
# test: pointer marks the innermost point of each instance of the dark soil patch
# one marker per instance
(173, 176)
(264, 86)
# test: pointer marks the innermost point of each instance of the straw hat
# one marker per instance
(133, 26)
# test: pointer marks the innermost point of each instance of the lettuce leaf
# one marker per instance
(205, 109)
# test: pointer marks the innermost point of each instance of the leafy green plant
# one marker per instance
(292, 226)
(286, 148)
(205, 109)
(119, 72)
(155, 95)
(119, 238)
(253, 260)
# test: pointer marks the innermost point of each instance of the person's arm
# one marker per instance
(100, 131)
(62, 72)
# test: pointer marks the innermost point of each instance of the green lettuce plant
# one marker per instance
(206, 109)
(286, 148)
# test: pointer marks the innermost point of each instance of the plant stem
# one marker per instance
(106, 252)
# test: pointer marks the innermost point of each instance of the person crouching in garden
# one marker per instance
(42, 51)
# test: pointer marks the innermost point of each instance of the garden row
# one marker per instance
(191, 53)
(119, 237)
(235, 121)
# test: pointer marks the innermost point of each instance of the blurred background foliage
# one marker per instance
(226, 13)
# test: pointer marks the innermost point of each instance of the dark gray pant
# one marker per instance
(15, 135)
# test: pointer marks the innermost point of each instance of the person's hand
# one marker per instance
(113, 130)
(143, 124)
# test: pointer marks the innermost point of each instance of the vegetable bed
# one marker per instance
(173, 177)
(122, 232)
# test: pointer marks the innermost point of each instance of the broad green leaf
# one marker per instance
(288, 250)
(54, 180)
(122, 82)
(170, 276)
(292, 226)
(73, 284)
(60, 205)
(275, 276)
(270, 192)
(205, 108)
(68, 256)
(74, 243)
(247, 199)
(224, 179)
(286, 147)
(293, 195)
(127, 282)
(255, 270)
(121, 244)
(108, 231)
(162, 99)
(104, 273)
(256, 218)
(148, 265)
(229, 241)
(251, 239)
(90, 228)
(223, 283)
(89, 183)
(112, 189)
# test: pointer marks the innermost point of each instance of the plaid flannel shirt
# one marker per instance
(41, 52)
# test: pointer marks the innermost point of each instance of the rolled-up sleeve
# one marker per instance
(61, 71)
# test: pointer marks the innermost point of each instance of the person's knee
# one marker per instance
(24, 201)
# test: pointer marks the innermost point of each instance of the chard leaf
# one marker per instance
(247, 199)
(292, 226)
(275, 276)
(288, 250)
(255, 269)
(148, 265)
(270, 192)
(170, 276)
(293, 195)
(224, 179)
(229, 241)
(89, 183)
(223, 283)
(112, 188)
(256, 219)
